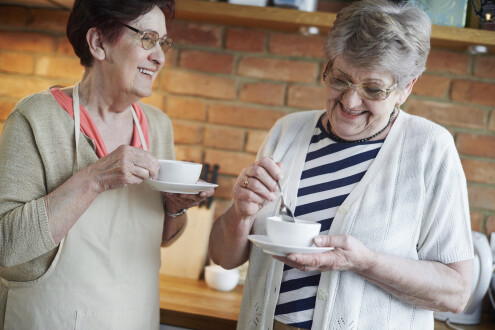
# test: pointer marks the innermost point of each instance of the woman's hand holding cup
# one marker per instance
(125, 165)
(255, 185)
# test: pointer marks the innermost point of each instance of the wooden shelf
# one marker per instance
(282, 19)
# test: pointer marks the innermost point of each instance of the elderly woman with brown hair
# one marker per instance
(387, 187)
(80, 236)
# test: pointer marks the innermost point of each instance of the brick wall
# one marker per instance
(225, 87)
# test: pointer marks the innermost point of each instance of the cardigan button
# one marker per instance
(343, 209)
(322, 295)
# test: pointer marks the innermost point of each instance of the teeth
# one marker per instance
(148, 72)
(352, 112)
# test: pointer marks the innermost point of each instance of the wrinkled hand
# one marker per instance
(349, 254)
(125, 165)
(177, 202)
(255, 185)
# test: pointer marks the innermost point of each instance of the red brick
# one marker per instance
(156, 99)
(307, 97)
(484, 66)
(206, 61)
(58, 67)
(16, 62)
(27, 41)
(476, 221)
(263, 93)
(477, 145)
(447, 61)
(430, 85)
(473, 92)
(274, 69)
(255, 140)
(187, 133)
(64, 47)
(479, 171)
(225, 185)
(196, 34)
(13, 16)
(490, 224)
(18, 86)
(296, 45)
(171, 58)
(447, 113)
(230, 162)
(186, 108)
(224, 138)
(243, 116)
(189, 153)
(57, 21)
(187, 83)
(245, 40)
(491, 123)
(6, 107)
(481, 197)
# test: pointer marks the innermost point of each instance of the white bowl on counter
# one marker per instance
(221, 279)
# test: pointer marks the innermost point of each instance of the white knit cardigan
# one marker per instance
(412, 202)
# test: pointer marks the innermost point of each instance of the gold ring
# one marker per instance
(245, 182)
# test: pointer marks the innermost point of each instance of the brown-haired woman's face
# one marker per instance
(132, 69)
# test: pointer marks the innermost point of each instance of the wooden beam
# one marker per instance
(281, 19)
(274, 18)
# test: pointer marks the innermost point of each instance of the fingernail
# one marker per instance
(318, 240)
(292, 258)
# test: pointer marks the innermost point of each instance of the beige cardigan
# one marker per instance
(36, 156)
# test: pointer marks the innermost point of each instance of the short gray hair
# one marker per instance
(384, 36)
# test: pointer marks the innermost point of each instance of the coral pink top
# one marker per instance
(89, 128)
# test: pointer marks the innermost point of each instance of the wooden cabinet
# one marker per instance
(292, 20)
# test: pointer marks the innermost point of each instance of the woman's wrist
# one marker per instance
(172, 212)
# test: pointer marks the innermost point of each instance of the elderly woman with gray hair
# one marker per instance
(387, 187)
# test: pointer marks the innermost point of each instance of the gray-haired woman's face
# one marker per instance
(354, 114)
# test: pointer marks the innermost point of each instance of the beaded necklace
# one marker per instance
(338, 139)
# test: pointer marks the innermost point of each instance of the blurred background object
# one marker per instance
(483, 14)
(446, 12)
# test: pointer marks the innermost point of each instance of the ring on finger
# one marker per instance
(245, 182)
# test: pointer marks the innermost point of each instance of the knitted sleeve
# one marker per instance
(446, 234)
(24, 229)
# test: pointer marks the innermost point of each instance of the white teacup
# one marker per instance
(221, 279)
(299, 233)
(176, 171)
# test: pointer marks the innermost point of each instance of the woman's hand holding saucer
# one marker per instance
(255, 185)
(348, 254)
(177, 202)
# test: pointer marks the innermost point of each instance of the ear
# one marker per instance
(406, 92)
(95, 43)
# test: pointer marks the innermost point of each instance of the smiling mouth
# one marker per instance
(146, 72)
(351, 112)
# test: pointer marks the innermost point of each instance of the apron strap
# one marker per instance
(140, 131)
(77, 124)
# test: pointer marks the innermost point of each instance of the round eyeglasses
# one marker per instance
(150, 38)
(368, 92)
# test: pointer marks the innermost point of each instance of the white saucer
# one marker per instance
(180, 188)
(263, 242)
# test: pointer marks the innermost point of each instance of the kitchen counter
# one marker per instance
(192, 304)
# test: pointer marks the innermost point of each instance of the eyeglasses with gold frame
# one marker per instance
(366, 91)
(150, 38)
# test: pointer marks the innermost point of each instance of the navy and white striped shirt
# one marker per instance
(331, 170)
